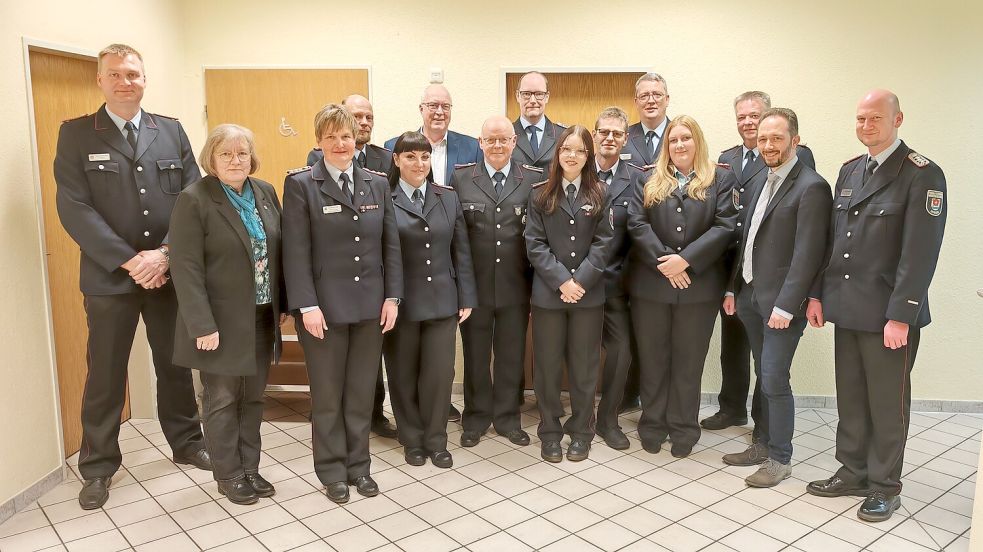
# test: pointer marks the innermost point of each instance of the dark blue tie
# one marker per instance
(418, 200)
(746, 171)
(346, 186)
(650, 140)
(131, 135)
(499, 178)
(533, 140)
(571, 194)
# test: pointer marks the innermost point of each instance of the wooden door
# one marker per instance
(279, 105)
(63, 87)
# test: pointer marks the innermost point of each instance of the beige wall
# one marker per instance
(809, 58)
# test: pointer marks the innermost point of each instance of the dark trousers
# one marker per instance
(492, 391)
(380, 397)
(873, 399)
(735, 367)
(342, 369)
(773, 351)
(420, 363)
(617, 342)
(112, 322)
(572, 335)
(673, 340)
(233, 407)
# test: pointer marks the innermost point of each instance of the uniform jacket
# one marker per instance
(342, 257)
(885, 239)
(213, 274)
(699, 231)
(115, 203)
(495, 226)
(568, 243)
(620, 192)
(788, 250)
(438, 278)
(523, 154)
(461, 149)
(377, 158)
(635, 146)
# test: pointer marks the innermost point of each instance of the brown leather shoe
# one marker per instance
(752, 456)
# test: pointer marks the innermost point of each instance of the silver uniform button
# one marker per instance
(428, 261)
(573, 253)
(357, 258)
(146, 233)
(846, 255)
(739, 207)
(471, 207)
(679, 209)
(354, 217)
(428, 246)
(838, 205)
(140, 169)
(498, 209)
(742, 190)
(679, 249)
(856, 212)
(498, 226)
(738, 225)
(498, 243)
(143, 190)
(573, 238)
(625, 204)
(145, 212)
(848, 234)
(571, 221)
(882, 212)
(429, 279)
(846, 276)
(358, 238)
(172, 165)
(498, 260)
(101, 167)
(679, 229)
(426, 228)
(356, 278)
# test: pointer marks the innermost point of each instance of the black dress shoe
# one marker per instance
(337, 492)
(238, 490)
(629, 404)
(834, 486)
(263, 488)
(441, 459)
(578, 450)
(383, 428)
(94, 493)
(453, 414)
(652, 447)
(415, 456)
(878, 507)
(552, 451)
(199, 459)
(365, 485)
(470, 438)
(680, 451)
(614, 438)
(516, 437)
(723, 420)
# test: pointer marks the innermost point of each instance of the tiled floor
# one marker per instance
(503, 498)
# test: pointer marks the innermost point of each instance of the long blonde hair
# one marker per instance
(663, 180)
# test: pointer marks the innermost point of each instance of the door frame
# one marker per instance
(504, 71)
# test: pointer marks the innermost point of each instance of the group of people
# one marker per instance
(624, 237)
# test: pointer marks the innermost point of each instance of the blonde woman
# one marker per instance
(681, 221)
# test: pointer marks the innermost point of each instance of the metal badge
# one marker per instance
(328, 209)
(518, 210)
(933, 202)
(98, 157)
(736, 196)
(846, 192)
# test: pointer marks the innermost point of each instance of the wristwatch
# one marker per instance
(395, 300)
(163, 251)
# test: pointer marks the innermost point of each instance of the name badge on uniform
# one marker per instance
(846, 192)
(328, 209)
(98, 157)
(625, 157)
(364, 208)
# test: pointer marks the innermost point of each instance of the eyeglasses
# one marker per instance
(497, 141)
(657, 96)
(226, 156)
(616, 134)
(434, 106)
(571, 151)
(525, 95)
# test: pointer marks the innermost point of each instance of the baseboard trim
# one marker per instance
(917, 405)
(32, 493)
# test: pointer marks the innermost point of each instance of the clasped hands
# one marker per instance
(674, 268)
(571, 291)
(148, 268)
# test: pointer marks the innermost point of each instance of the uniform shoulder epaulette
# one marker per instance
(443, 186)
(918, 159)
(298, 170)
(848, 161)
(538, 184)
(562, 125)
(723, 165)
(380, 173)
(639, 167)
(76, 118)
(165, 116)
(463, 165)
(738, 146)
(532, 168)
(649, 167)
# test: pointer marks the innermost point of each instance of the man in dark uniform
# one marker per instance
(535, 132)
(494, 196)
(735, 353)
(367, 156)
(379, 159)
(621, 178)
(782, 241)
(887, 224)
(118, 173)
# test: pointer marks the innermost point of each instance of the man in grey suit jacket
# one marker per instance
(645, 136)
(367, 156)
(783, 240)
(449, 148)
(119, 172)
(535, 132)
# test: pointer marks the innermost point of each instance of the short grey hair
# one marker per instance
(121, 50)
(220, 135)
(784, 113)
(762, 97)
(653, 77)
(613, 112)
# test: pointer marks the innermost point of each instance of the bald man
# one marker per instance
(887, 224)
(535, 132)
(494, 193)
(367, 156)
(449, 148)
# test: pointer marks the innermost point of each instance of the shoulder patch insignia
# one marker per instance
(382, 174)
(731, 149)
(919, 160)
(463, 165)
(532, 168)
(933, 201)
(736, 198)
(538, 184)
(299, 169)
(723, 165)
(851, 160)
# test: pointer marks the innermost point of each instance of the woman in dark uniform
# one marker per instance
(343, 270)
(440, 291)
(567, 239)
(681, 222)
(225, 261)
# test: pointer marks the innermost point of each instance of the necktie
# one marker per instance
(605, 176)
(418, 200)
(533, 140)
(499, 178)
(869, 172)
(759, 213)
(571, 194)
(650, 141)
(748, 161)
(346, 187)
(131, 135)
(361, 159)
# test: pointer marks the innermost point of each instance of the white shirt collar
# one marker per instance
(408, 190)
(336, 174)
(614, 168)
(491, 170)
(121, 122)
(744, 151)
(783, 169)
(658, 130)
(541, 125)
(881, 157)
(575, 182)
